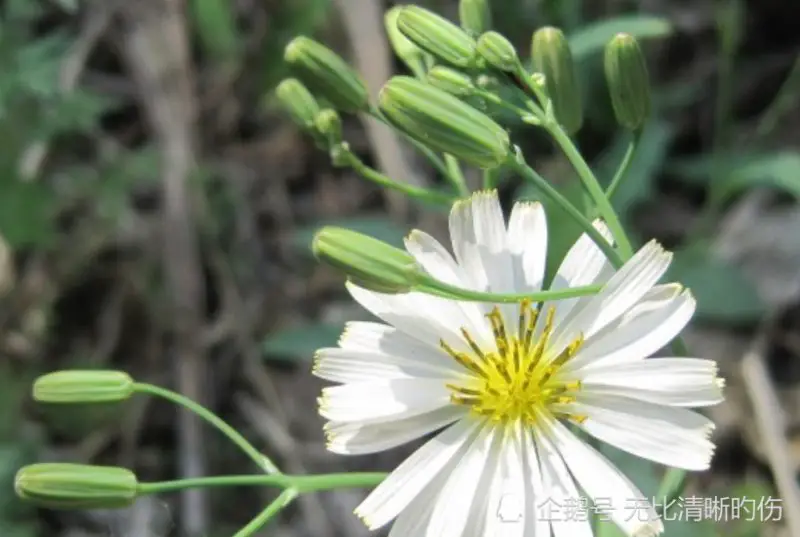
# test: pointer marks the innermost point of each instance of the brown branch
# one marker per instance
(157, 51)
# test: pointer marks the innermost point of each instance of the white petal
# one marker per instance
(584, 264)
(689, 382)
(346, 366)
(535, 494)
(398, 490)
(458, 495)
(438, 262)
(671, 436)
(505, 515)
(559, 492)
(527, 243)
(465, 244)
(426, 318)
(623, 290)
(387, 340)
(397, 398)
(644, 329)
(595, 474)
(362, 437)
(477, 517)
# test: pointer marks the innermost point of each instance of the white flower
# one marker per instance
(505, 381)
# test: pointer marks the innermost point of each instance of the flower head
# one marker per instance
(504, 384)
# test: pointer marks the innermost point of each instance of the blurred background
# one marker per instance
(156, 210)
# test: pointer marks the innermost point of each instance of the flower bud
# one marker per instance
(327, 74)
(552, 57)
(498, 51)
(628, 81)
(443, 122)
(437, 35)
(475, 16)
(76, 486)
(298, 102)
(451, 81)
(411, 54)
(329, 124)
(367, 261)
(83, 387)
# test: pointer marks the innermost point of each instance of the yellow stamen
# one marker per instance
(519, 380)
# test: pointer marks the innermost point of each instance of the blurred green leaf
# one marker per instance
(723, 293)
(301, 343)
(755, 491)
(26, 213)
(593, 37)
(375, 226)
(215, 22)
(738, 172)
(637, 185)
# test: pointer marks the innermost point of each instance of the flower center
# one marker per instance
(518, 380)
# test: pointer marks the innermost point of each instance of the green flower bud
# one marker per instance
(498, 51)
(628, 81)
(367, 261)
(451, 81)
(83, 387)
(329, 125)
(437, 35)
(475, 16)
(552, 57)
(298, 102)
(411, 54)
(327, 74)
(443, 122)
(76, 486)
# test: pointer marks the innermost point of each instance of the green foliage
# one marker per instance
(723, 293)
(592, 38)
(215, 23)
(300, 343)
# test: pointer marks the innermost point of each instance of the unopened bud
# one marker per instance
(475, 16)
(83, 387)
(437, 35)
(76, 486)
(443, 122)
(450, 80)
(552, 57)
(370, 263)
(628, 81)
(498, 51)
(327, 74)
(329, 125)
(298, 102)
(411, 54)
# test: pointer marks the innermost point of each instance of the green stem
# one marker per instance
(456, 176)
(593, 187)
(259, 458)
(299, 483)
(376, 177)
(624, 165)
(525, 115)
(270, 511)
(557, 198)
(445, 290)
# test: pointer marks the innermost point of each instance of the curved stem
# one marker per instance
(270, 511)
(378, 178)
(592, 186)
(259, 458)
(299, 483)
(456, 176)
(556, 197)
(445, 290)
(624, 165)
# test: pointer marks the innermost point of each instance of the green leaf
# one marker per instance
(301, 343)
(375, 226)
(593, 37)
(637, 185)
(26, 213)
(723, 293)
(216, 25)
(738, 172)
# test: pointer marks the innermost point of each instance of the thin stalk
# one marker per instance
(445, 290)
(456, 176)
(624, 165)
(299, 483)
(286, 497)
(378, 178)
(259, 458)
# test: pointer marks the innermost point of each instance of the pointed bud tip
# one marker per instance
(551, 56)
(498, 51)
(628, 81)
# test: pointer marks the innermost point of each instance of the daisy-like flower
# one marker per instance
(506, 385)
